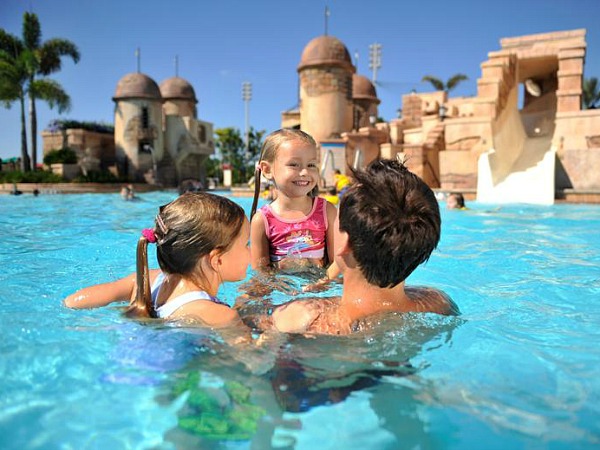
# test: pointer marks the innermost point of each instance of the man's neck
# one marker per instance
(361, 299)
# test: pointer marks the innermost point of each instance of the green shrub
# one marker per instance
(58, 156)
(97, 177)
(39, 176)
(66, 124)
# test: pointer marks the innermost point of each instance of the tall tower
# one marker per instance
(138, 125)
(365, 100)
(179, 97)
(325, 73)
(188, 141)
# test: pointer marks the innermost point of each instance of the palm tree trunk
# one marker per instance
(33, 129)
(24, 155)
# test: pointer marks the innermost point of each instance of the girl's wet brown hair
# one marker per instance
(186, 229)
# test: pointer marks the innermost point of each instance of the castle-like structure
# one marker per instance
(158, 137)
(506, 149)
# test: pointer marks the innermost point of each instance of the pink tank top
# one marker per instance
(297, 238)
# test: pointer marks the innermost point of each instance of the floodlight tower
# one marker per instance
(246, 97)
(374, 59)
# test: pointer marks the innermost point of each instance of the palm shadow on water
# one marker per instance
(282, 394)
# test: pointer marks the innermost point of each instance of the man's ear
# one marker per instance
(342, 245)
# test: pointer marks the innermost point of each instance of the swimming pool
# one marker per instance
(518, 370)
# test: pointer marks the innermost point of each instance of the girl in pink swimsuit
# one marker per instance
(294, 230)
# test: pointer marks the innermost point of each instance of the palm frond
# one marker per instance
(437, 84)
(10, 44)
(455, 80)
(51, 52)
(32, 31)
(591, 93)
(52, 93)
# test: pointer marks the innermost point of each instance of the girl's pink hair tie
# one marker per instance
(148, 233)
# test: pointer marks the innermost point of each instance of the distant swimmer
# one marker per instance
(456, 201)
(15, 191)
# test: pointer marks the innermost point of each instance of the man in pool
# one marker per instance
(388, 224)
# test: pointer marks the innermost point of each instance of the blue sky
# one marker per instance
(221, 44)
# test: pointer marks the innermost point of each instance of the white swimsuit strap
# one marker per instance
(155, 288)
(173, 305)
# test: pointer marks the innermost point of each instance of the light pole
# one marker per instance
(246, 97)
(374, 59)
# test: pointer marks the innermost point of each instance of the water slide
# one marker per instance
(520, 166)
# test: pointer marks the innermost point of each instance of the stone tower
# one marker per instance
(364, 96)
(179, 97)
(138, 126)
(325, 72)
(188, 141)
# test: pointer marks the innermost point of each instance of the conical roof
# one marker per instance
(137, 85)
(363, 89)
(326, 50)
(177, 88)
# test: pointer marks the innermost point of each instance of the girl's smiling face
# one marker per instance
(295, 168)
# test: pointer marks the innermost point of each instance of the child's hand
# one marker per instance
(263, 284)
(318, 286)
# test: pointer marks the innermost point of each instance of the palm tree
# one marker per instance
(13, 80)
(439, 85)
(46, 60)
(591, 93)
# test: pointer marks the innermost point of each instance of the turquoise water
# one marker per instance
(518, 370)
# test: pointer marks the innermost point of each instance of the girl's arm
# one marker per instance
(259, 245)
(105, 293)
(333, 270)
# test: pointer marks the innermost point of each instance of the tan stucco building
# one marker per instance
(158, 137)
(523, 138)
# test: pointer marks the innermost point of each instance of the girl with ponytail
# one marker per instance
(202, 241)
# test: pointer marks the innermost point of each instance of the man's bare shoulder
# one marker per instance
(428, 299)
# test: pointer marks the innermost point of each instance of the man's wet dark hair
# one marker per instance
(392, 219)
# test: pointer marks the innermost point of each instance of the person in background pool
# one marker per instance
(202, 241)
(128, 192)
(294, 231)
(15, 190)
(456, 201)
(269, 193)
(331, 196)
(341, 182)
(387, 225)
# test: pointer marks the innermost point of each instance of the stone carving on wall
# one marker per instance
(593, 141)
(465, 143)
(187, 143)
(134, 131)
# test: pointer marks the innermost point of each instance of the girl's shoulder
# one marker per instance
(206, 312)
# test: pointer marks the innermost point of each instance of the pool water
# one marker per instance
(519, 369)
